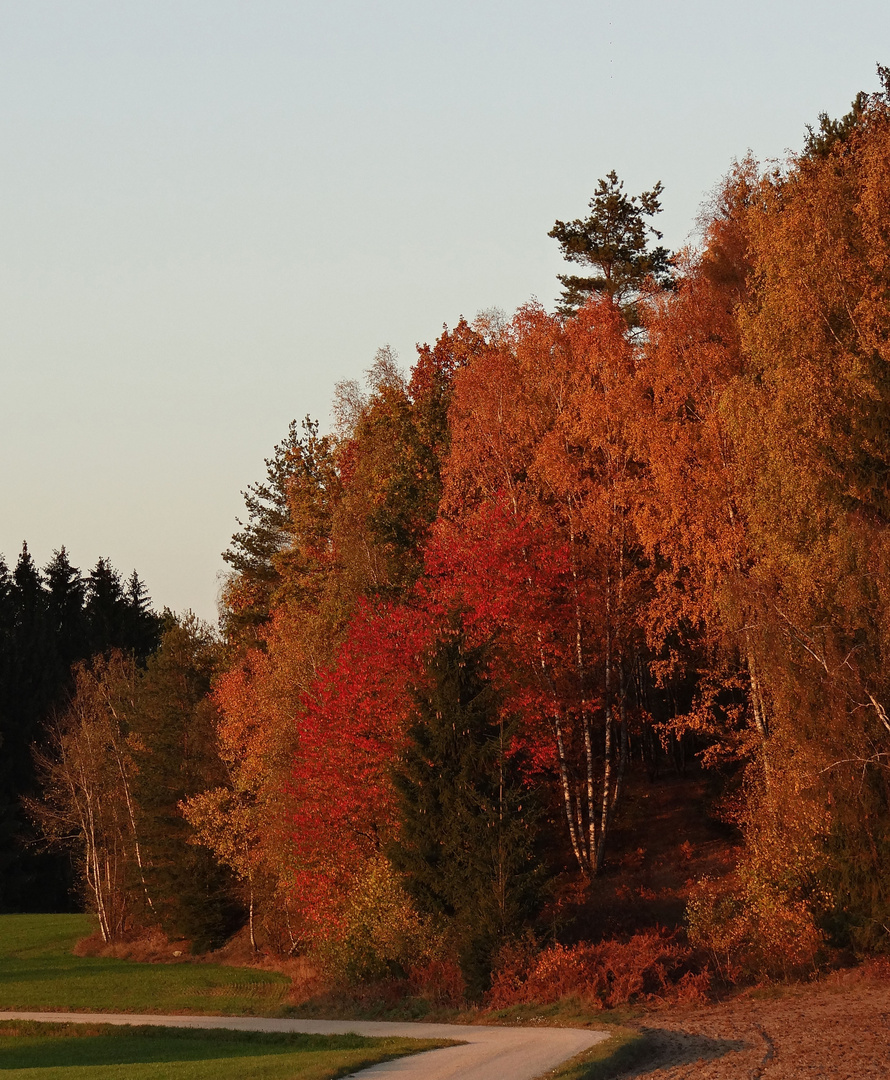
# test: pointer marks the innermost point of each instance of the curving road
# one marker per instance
(485, 1053)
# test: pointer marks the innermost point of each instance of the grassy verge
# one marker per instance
(623, 1049)
(39, 973)
(31, 1051)
(567, 1012)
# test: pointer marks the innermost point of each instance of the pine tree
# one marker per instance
(820, 142)
(614, 240)
(466, 846)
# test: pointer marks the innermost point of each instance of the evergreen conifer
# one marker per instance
(614, 240)
(466, 848)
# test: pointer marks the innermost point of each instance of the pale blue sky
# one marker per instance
(211, 211)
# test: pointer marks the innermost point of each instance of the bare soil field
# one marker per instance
(838, 1029)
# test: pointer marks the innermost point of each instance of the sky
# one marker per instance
(213, 210)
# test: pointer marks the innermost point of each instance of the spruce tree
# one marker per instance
(49, 620)
(66, 593)
(30, 878)
(104, 606)
(287, 528)
(142, 627)
(466, 849)
(119, 616)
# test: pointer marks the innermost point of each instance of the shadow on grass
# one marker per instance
(636, 1053)
(25, 1045)
(663, 1049)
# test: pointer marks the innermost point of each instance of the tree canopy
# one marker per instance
(614, 239)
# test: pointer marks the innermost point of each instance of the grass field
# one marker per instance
(30, 1051)
(39, 972)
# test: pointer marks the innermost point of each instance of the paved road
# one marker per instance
(487, 1053)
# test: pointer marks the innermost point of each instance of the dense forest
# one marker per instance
(51, 619)
(567, 560)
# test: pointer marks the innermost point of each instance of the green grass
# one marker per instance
(566, 1012)
(622, 1050)
(39, 973)
(30, 1051)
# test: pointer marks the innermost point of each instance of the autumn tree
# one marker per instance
(131, 744)
(242, 814)
(171, 732)
(810, 419)
(764, 435)
(543, 424)
(395, 439)
(88, 803)
(342, 796)
(689, 517)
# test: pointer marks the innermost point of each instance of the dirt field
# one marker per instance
(838, 1030)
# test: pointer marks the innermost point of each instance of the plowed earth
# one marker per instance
(833, 1031)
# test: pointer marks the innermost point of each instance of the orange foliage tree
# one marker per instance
(811, 419)
(680, 528)
(541, 423)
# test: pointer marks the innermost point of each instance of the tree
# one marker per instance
(172, 735)
(614, 240)
(466, 843)
(542, 424)
(118, 616)
(32, 685)
(142, 627)
(105, 606)
(49, 620)
(243, 817)
(689, 514)
(132, 743)
(66, 593)
(341, 796)
(820, 141)
(88, 806)
(283, 547)
(810, 419)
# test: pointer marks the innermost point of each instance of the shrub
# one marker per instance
(439, 982)
(653, 965)
(752, 930)
(381, 936)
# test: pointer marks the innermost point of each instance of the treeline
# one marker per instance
(49, 620)
(135, 742)
(559, 544)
